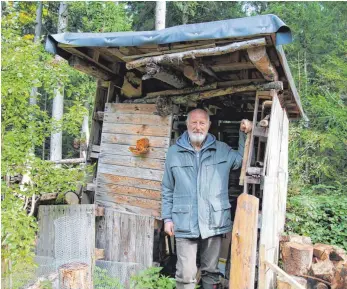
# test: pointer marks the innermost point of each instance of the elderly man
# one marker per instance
(195, 201)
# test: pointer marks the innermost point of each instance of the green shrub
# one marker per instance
(152, 279)
(323, 217)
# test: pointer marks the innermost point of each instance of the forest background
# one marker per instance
(317, 203)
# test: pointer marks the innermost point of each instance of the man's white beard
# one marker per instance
(196, 138)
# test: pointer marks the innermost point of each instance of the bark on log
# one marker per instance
(340, 278)
(75, 276)
(297, 258)
(282, 283)
(296, 239)
(165, 75)
(323, 270)
(194, 75)
(261, 61)
(180, 91)
(198, 53)
(277, 85)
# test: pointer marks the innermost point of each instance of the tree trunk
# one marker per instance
(75, 276)
(160, 15)
(58, 100)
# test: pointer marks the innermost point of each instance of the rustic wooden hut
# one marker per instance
(146, 84)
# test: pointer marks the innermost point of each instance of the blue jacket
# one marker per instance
(195, 186)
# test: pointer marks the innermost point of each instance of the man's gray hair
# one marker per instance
(200, 110)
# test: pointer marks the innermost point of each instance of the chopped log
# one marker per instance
(322, 251)
(323, 270)
(75, 276)
(296, 239)
(132, 86)
(164, 74)
(48, 197)
(282, 283)
(71, 198)
(181, 91)
(194, 75)
(295, 284)
(198, 53)
(340, 278)
(265, 121)
(338, 254)
(321, 285)
(277, 85)
(90, 69)
(262, 62)
(70, 161)
(297, 258)
(99, 254)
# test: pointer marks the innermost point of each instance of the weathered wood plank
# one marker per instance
(134, 201)
(131, 108)
(148, 174)
(130, 237)
(128, 139)
(147, 119)
(244, 243)
(116, 149)
(129, 181)
(129, 209)
(130, 161)
(111, 189)
(141, 130)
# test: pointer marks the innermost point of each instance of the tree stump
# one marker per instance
(75, 276)
(297, 258)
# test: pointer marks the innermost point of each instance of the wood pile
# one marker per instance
(314, 266)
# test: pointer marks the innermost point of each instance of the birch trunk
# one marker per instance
(58, 100)
(160, 15)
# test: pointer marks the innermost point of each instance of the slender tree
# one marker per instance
(58, 100)
(160, 15)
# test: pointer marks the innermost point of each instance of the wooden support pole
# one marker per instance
(75, 276)
(244, 243)
(69, 161)
(262, 62)
(244, 160)
(198, 53)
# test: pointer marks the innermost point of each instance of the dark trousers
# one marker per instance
(186, 262)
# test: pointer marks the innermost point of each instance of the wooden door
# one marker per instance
(125, 181)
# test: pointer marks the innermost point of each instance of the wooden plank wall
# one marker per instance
(47, 216)
(126, 237)
(127, 182)
(275, 190)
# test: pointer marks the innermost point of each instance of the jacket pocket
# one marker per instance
(220, 215)
(181, 215)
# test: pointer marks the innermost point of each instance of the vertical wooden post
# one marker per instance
(244, 243)
(75, 276)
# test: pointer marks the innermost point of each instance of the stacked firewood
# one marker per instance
(317, 266)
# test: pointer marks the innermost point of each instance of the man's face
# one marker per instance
(198, 126)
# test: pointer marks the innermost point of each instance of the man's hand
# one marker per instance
(169, 228)
(246, 125)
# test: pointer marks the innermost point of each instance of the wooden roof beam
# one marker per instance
(261, 61)
(198, 53)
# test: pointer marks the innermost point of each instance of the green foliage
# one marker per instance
(152, 279)
(320, 213)
(102, 280)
